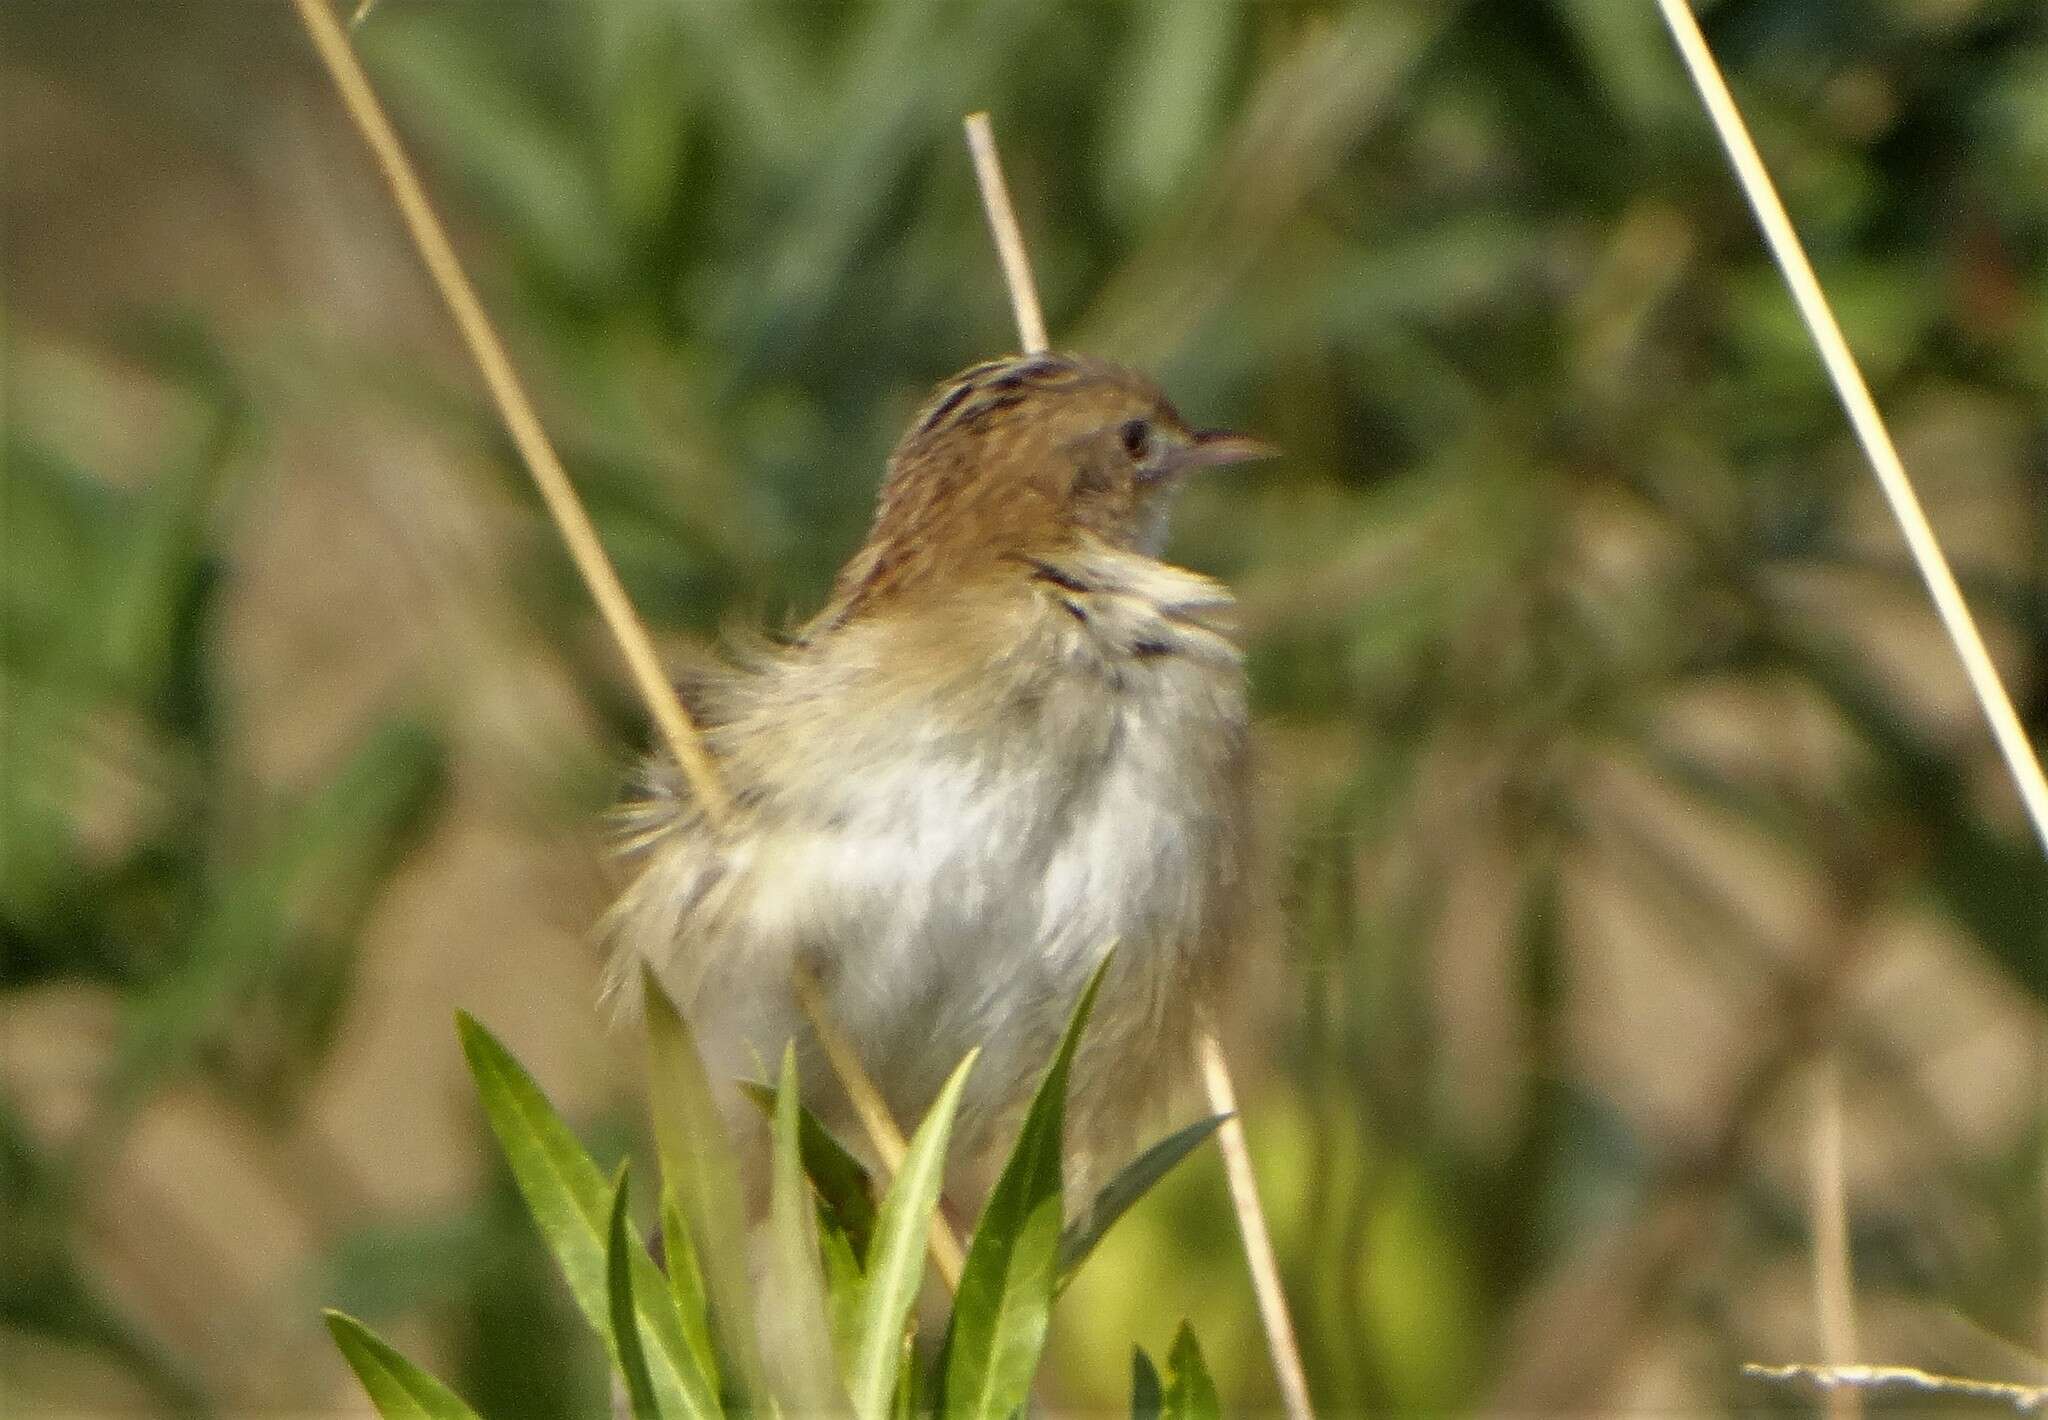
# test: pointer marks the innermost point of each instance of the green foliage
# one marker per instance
(700, 1188)
(1148, 1395)
(846, 1195)
(399, 1389)
(802, 1366)
(1007, 1286)
(624, 1330)
(894, 1266)
(657, 1334)
(1188, 1393)
(1131, 1183)
(571, 1205)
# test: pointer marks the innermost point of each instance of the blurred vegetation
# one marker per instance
(1615, 768)
(141, 860)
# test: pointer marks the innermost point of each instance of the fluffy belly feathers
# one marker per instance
(952, 872)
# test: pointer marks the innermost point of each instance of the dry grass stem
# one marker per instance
(1002, 221)
(1222, 1095)
(1251, 1225)
(1791, 258)
(578, 534)
(1829, 1380)
(1833, 1280)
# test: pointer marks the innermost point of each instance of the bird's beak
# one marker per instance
(1219, 446)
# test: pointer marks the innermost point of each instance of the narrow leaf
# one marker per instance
(571, 1204)
(895, 1263)
(804, 1355)
(1132, 1182)
(1190, 1394)
(845, 1286)
(1148, 1399)
(399, 1389)
(686, 1287)
(619, 1289)
(845, 1191)
(699, 1164)
(910, 1400)
(1006, 1290)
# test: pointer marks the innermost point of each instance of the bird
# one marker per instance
(1014, 740)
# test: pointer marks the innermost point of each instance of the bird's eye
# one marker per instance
(1137, 437)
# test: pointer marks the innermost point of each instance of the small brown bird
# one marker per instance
(1013, 737)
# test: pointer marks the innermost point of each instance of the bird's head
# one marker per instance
(1020, 458)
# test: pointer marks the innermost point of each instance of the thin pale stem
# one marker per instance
(1002, 222)
(578, 534)
(677, 730)
(1849, 384)
(1237, 1159)
(1834, 1285)
(1251, 1225)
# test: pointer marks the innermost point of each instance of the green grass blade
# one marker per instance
(1148, 1397)
(1190, 1393)
(895, 1263)
(845, 1286)
(686, 1287)
(562, 1186)
(910, 1401)
(571, 1204)
(618, 1268)
(1132, 1182)
(1006, 1290)
(804, 1350)
(699, 1165)
(845, 1191)
(399, 1389)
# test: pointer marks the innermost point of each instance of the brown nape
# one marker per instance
(1011, 458)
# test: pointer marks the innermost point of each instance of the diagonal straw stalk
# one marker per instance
(677, 730)
(1790, 255)
(1216, 1081)
(672, 720)
(1839, 1381)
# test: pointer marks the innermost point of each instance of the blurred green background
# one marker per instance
(1616, 772)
